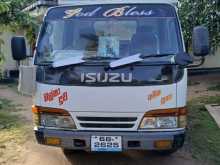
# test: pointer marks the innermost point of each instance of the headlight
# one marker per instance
(159, 122)
(50, 117)
(56, 120)
(164, 119)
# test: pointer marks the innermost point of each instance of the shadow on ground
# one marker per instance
(126, 158)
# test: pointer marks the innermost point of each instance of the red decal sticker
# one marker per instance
(166, 99)
(63, 98)
(55, 93)
(49, 96)
(154, 94)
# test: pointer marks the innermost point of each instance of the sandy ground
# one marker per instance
(198, 85)
(35, 154)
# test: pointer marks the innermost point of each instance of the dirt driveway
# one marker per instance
(35, 154)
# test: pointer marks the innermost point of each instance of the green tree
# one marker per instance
(201, 12)
(12, 17)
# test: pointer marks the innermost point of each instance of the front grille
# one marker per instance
(108, 119)
(106, 122)
(95, 125)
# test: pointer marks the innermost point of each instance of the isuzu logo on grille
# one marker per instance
(106, 77)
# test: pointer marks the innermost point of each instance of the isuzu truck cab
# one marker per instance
(112, 75)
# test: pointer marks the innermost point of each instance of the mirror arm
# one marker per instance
(202, 61)
(18, 63)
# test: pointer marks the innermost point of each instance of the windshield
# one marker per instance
(97, 32)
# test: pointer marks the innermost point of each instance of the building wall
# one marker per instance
(9, 63)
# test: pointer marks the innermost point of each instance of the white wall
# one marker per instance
(9, 63)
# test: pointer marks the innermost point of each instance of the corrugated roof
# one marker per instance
(49, 3)
(41, 3)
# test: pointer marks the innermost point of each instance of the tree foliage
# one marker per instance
(11, 14)
(12, 17)
(201, 12)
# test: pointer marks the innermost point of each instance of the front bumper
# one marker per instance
(139, 140)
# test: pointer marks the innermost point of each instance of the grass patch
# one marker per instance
(13, 132)
(203, 133)
(7, 106)
(214, 88)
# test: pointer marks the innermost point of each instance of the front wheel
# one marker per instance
(70, 151)
(166, 152)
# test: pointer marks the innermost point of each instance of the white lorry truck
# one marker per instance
(112, 75)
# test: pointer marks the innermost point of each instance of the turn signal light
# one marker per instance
(37, 109)
(163, 144)
(166, 112)
(52, 141)
(36, 116)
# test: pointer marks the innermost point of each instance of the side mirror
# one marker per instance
(18, 48)
(201, 45)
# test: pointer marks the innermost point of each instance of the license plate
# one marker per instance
(106, 143)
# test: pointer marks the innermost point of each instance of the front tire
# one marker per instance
(70, 151)
(166, 152)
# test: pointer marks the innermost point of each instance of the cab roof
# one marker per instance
(95, 2)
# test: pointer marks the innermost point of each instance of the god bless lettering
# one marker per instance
(125, 11)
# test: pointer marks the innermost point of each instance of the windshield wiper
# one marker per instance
(133, 59)
(68, 61)
(182, 59)
(126, 61)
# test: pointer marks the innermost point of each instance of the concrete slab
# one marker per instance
(214, 110)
